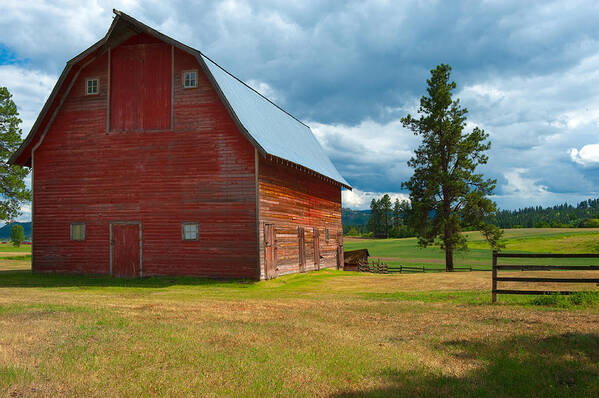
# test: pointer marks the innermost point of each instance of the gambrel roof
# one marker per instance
(269, 128)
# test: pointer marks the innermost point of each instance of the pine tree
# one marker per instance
(12, 178)
(445, 192)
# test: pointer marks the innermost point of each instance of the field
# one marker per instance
(328, 333)
(534, 240)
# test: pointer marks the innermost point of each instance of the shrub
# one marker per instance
(17, 235)
(590, 223)
(353, 232)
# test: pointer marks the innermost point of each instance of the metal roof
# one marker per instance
(276, 131)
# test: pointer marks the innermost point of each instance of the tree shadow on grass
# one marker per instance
(523, 366)
(26, 278)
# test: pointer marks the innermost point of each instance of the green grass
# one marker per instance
(26, 257)
(8, 247)
(576, 300)
(327, 333)
(534, 240)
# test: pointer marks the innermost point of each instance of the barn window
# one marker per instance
(190, 79)
(91, 86)
(189, 230)
(326, 235)
(77, 231)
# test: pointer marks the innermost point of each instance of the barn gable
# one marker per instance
(270, 129)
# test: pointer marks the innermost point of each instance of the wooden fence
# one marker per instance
(378, 267)
(516, 267)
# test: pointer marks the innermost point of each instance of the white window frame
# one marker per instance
(91, 79)
(195, 80)
(72, 229)
(188, 224)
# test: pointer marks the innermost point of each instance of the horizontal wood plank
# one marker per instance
(548, 267)
(547, 255)
(556, 280)
(532, 292)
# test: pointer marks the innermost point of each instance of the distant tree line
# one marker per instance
(387, 219)
(376, 222)
(584, 215)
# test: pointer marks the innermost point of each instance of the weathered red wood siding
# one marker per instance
(201, 171)
(290, 199)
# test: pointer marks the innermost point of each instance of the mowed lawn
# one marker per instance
(533, 240)
(327, 333)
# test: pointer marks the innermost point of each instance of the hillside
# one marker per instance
(355, 217)
(5, 230)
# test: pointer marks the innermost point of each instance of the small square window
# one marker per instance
(78, 231)
(190, 79)
(91, 86)
(326, 234)
(189, 230)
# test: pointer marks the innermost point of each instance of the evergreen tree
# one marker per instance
(386, 209)
(445, 192)
(14, 193)
(374, 221)
(397, 220)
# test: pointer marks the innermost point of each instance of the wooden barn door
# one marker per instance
(339, 250)
(309, 249)
(302, 248)
(125, 248)
(317, 249)
(270, 263)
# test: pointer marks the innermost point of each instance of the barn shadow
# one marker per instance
(26, 278)
(523, 366)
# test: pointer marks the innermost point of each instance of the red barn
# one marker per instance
(150, 159)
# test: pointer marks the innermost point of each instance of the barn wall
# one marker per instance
(200, 171)
(290, 198)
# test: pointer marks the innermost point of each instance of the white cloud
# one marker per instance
(26, 213)
(359, 200)
(29, 88)
(525, 187)
(587, 155)
(266, 90)
(371, 141)
(484, 92)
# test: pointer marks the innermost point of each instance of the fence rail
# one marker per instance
(512, 267)
(377, 266)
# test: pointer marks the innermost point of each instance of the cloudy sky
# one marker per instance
(528, 72)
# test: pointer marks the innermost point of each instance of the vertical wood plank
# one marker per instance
(494, 278)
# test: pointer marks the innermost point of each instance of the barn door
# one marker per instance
(340, 250)
(316, 249)
(269, 251)
(125, 249)
(302, 248)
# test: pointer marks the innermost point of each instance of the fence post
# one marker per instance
(494, 276)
